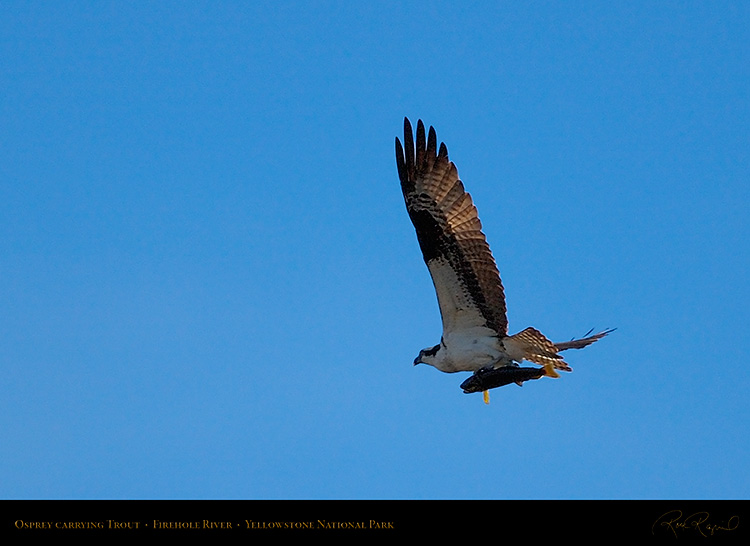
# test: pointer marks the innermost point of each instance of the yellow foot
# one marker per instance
(549, 370)
(486, 396)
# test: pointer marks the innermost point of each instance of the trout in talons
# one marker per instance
(483, 380)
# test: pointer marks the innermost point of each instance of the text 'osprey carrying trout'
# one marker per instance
(469, 291)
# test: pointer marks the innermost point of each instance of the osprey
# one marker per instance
(466, 279)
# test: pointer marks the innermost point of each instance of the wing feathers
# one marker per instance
(431, 143)
(420, 146)
(448, 228)
(584, 342)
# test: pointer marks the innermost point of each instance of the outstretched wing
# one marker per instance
(584, 341)
(467, 282)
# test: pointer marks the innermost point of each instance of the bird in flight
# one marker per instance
(467, 282)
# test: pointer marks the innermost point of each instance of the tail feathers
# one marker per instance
(530, 344)
(535, 347)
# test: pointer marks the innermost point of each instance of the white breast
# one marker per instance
(470, 350)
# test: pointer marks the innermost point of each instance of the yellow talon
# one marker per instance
(549, 370)
(486, 396)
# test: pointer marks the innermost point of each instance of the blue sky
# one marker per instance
(211, 289)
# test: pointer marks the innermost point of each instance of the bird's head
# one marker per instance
(427, 356)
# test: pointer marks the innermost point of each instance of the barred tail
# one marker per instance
(535, 347)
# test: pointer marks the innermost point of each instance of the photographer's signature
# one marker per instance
(697, 522)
